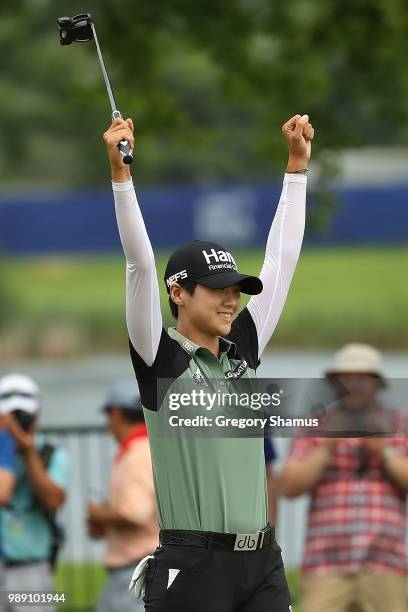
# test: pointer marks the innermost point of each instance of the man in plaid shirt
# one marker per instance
(355, 550)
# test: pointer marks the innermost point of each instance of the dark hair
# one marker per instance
(132, 416)
(189, 286)
(129, 415)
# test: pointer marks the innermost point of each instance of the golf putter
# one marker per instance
(80, 28)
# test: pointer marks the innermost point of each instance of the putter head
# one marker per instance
(75, 29)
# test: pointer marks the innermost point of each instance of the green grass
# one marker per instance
(81, 583)
(337, 295)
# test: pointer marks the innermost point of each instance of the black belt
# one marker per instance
(226, 541)
(16, 563)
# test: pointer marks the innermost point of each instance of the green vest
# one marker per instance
(205, 483)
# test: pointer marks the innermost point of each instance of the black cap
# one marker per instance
(208, 264)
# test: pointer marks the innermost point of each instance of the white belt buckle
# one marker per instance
(249, 541)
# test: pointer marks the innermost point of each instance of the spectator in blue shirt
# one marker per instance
(7, 466)
(7, 479)
(27, 525)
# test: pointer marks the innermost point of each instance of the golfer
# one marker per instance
(218, 553)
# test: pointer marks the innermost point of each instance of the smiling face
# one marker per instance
(210, 311)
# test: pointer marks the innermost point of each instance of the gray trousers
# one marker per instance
(116, 595)
(2, 589)
(30, 577)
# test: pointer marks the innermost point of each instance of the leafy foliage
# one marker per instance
(208, 84)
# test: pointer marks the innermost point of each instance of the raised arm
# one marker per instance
(143, 314)
(286, 233)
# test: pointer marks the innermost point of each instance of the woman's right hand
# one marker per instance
(119, 130)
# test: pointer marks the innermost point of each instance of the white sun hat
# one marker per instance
(355, 358)
(18, 392)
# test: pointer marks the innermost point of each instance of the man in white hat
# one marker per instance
(27, 534)
(7, 481)
(355, 551)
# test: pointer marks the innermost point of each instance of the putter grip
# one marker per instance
(126, 152)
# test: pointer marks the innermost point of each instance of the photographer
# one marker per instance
(7, 463)
(28, 532)
(355, 551)
(7, 479)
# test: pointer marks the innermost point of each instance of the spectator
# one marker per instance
(7, 466)
(27, 522)
(7, 479)
(128, 520)
(355, 552)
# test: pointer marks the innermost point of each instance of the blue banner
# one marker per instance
(234, 215)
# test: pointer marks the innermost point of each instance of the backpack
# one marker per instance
(57, 531)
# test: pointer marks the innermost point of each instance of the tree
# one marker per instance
(208, 84)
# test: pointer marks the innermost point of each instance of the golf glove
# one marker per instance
(139, 577)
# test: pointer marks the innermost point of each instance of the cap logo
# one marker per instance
(176, 277)
(215, 257)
